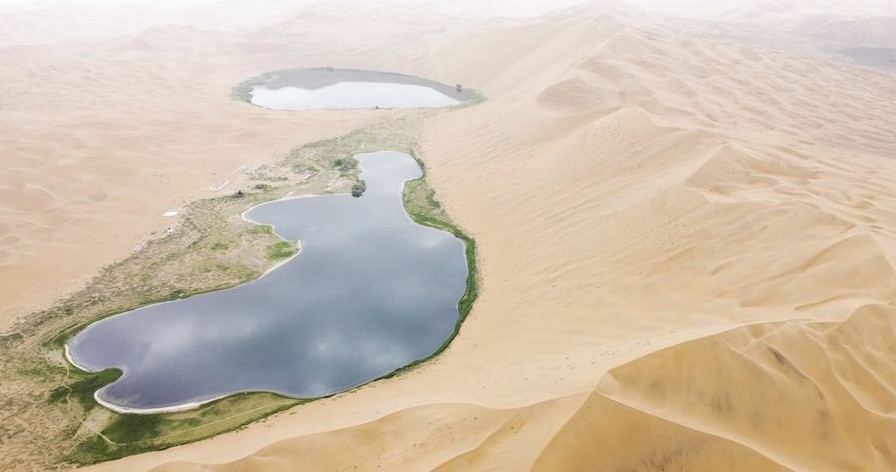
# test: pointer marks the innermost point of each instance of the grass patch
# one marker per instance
(82, 390)
(281, 250)
(133, 434)
(220, 246)
(134, 428)
(261, 229)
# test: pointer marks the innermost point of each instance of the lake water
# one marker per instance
(370, 292)
(348, 95)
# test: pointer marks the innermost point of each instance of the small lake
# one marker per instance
(351, 95)
(332, 88)
(371, 291)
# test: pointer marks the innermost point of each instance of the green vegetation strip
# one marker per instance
(421, 203)
(132, 434)
(243, 91)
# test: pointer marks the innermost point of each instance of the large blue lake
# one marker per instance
(371, 291)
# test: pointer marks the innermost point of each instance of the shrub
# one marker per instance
(359, 188)
(345, 165)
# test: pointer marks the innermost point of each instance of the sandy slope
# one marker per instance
(687, 241)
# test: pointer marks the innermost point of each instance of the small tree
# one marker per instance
(359, 188)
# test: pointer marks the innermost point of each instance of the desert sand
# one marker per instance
(687, 235)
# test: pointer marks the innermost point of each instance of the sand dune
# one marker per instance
(759, 11)
(820, 398)
(687, 241)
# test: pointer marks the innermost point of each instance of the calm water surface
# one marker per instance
(370, 292)
(347, 95)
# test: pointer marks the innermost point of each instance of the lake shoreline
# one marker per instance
(406, 211)
(322, 77)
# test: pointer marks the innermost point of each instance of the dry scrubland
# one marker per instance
(687, 240)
